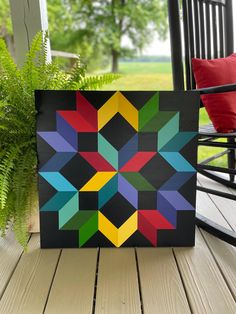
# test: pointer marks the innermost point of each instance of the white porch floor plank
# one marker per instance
(206, 207)
(73, 286)
(117, 286)
(226, 206)
(206, 288)
(10, 252)
(30, 283)
(161, 286)
(225, 255)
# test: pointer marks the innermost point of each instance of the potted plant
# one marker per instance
(18, 161)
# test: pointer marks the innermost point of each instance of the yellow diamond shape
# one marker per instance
(118, 104)
(98, 181)
(117, 235)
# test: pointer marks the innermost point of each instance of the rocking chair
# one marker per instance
(208, 34)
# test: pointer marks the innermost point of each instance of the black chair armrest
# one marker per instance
(217, 89)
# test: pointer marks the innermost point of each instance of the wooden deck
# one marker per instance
(127, 280)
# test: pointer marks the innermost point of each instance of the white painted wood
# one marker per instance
(225, 255)
(56, 53)
(206, 207)
(206, 288)
(30, 283)
(117, 286)
(161, 286)
(10, 252)
(28, 18)
(227, 207)
(73, 286)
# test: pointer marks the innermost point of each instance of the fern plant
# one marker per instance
(18, 160)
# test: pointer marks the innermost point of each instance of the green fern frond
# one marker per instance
(6, 168)
(21, 183)
(29, 70)
(96, 82)
(42, 55)
(6, 214)
(76, 75)
(6, 62)
(21, 229)
(10, 78)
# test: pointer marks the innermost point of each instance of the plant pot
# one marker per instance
(33, 222)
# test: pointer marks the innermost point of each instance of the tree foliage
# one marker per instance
(5, 25)
(5, 22)
(100, 26)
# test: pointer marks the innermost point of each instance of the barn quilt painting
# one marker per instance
(117, 168)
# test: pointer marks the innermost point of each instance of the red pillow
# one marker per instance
(221, 107)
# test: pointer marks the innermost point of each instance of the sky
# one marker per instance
(161, 48)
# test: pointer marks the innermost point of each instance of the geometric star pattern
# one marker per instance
(117, 173)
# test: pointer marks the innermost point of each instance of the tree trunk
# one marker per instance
(115, 59)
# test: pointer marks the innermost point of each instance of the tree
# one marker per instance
(65, 35)
(5, 25)
(103, 24)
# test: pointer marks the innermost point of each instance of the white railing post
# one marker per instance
(28, 17)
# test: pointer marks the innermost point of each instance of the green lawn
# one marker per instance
(156, 76)
(145, 67)
(143, 76)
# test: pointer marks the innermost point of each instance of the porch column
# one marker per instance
(176, 47)
(28, 17)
